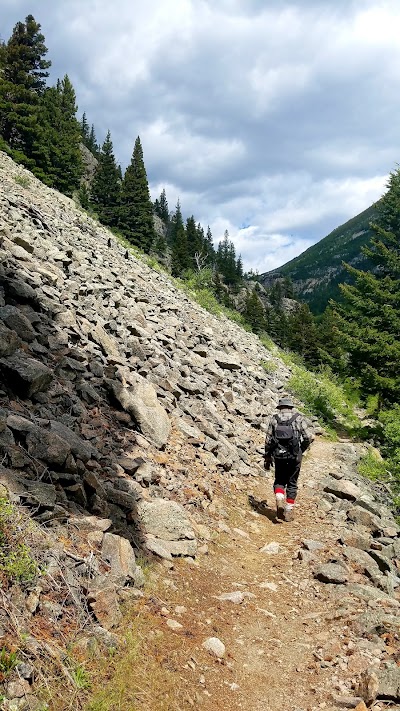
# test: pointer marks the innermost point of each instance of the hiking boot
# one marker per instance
(288, 515)
(280, 508)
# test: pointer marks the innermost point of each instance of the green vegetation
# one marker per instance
(324, 397)
(22, 180)
(17, 563)
(8, 661)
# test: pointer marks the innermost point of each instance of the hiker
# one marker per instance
(287, 438)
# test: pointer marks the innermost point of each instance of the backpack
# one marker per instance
(286, 440)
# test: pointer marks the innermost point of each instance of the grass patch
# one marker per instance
(373, 467)
(140, 675)
(17, 563)
(325, 398)
(22, 180)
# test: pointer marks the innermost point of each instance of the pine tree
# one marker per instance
(56, 151)
(369, 318)
(254, 312)
(22, 82)
(161, 207)
(136, 213)
(85, 133)
(180, 260)
(106, 186)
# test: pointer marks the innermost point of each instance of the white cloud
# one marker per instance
(279, 116)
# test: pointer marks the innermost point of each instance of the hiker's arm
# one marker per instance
(307, 436)
(268, 442)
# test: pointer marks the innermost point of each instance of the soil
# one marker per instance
(272, 637)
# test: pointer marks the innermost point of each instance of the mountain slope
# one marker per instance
(317, 272)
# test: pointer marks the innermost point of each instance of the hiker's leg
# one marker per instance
(281, 477)
(293, 475)
(280, 483)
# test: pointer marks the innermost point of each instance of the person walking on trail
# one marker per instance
(288, 436)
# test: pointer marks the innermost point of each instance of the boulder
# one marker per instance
(331, 573)
(24, 375)
(142, 404)
(119, 554)
(17, 321)
(165, 520)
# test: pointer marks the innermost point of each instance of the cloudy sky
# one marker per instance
(274, 119)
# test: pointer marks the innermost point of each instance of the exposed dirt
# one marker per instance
(271, 638)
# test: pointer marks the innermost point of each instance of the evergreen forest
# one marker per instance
(356, 341)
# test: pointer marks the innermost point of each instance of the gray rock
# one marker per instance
(9, 341)
(119, 554)
(331, 573)
(24, 375)
(389, 682)
(215, 647)
(343, 489)
(17, 321)
(142, 404)
(166, 520)
(47, 446)
(82, 450)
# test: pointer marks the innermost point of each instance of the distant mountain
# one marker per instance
(317, 272)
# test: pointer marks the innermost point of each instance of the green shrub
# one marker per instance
(22, 180)
(373, 467)
(8, 661)
(17, 563)
(323, 397)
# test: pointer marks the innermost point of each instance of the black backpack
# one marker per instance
(286, 439)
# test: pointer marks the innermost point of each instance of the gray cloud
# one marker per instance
(276, 121)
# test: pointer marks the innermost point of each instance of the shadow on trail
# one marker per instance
(262, 507)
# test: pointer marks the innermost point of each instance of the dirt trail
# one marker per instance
(271, 638)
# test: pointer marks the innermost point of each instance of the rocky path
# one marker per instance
(290, 640)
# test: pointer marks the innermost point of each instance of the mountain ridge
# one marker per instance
(318, 271)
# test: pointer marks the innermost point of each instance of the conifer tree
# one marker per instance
(254, 312)
(369, 318)
(22, 82)
(161, 207)
(106, 186)
(85, 132)
(180, 259)
(136, 213)
(56, 151)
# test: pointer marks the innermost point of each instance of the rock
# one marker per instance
(107, 343)
(119, 554)
(104, 604)
(236, 597)
(389, 682)
(166, 520)
(154, 546)
(343, 489)
(215, 647)
(17, 321)
(142, 404)
(331, 573)
(9, 341)
(25, 376)
(174, 625)
(364, 518)
(225, 361)
(311, 545)
(17, 689)
(271, 548)
(368, 686)
(47, 446)
(79, 448)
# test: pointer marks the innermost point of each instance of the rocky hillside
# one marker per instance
(317, 272)
(121, 401)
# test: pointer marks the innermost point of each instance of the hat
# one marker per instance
(285, 402)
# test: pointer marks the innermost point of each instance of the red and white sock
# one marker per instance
(289, 504)
(279, 495)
